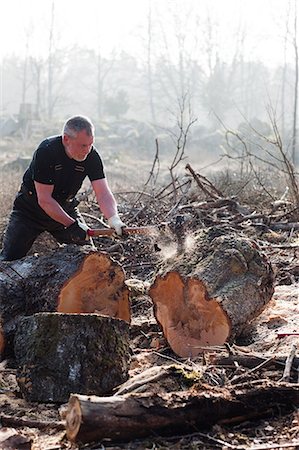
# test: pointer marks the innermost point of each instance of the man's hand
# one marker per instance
(116, 223)
(77, 232)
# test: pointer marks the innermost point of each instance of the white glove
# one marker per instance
(83, 225)
(116, 223)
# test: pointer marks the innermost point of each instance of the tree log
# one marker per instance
(129, 416)
(208, 294)
(71, 279)
(58, 354)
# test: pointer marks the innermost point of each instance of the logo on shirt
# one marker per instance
(58, 167)
(79, 168)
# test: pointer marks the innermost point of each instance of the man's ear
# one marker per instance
(65, 139)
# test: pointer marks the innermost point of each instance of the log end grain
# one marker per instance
(189, 319)
(73, 418)
(98, 286)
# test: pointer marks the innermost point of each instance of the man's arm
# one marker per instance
(107, 204)
(105, 198)
(50, 205)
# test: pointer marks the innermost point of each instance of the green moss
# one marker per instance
(185, 376)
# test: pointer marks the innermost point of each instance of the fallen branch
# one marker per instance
(277, 226)
(252, 361)
(287, 371)
(8, 421)
(129, 416)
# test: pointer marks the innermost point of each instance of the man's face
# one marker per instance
(78, 147)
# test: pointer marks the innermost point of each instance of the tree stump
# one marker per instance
(71, 279)
(58, 354)
(208, 294)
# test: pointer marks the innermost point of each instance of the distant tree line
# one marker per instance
(149, 87)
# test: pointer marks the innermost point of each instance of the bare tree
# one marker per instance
(284, 74)
(103, 69)
(149, 63)
(50, 62)
(177, 53)
(295, 111)
(37, 67)
(179, 136)
(269, 152)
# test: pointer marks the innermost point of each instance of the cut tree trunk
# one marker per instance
(58, 354)
(208, 294)
(129, 416)
(71, 279)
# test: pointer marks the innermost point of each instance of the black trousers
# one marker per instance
(27, 221)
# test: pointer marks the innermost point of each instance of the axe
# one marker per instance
(126, 230)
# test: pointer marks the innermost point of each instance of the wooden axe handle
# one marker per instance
(126, 230)
(281, 334)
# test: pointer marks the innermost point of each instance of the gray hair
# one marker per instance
(75, 124)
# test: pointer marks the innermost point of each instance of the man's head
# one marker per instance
(78, 137)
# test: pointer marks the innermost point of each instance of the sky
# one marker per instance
(116, 25)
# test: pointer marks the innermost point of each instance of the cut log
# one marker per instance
(58, 354)
(71, 279)
(208, 294)
(130, 416)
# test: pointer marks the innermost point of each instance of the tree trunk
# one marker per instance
(58, 354)
(128, 417)
(69, 280)
(207, 294)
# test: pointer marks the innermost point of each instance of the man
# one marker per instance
(46, 200)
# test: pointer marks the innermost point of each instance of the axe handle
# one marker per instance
(281, 335)
(126, 230)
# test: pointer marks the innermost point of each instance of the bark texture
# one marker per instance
(58, 354)
(209, 293)
(72, 279)
(127, 417)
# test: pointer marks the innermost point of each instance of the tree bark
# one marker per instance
(69, 280)
(207, 294)
(58, 354)
(128, 417)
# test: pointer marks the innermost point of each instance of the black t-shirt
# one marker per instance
(51, 165)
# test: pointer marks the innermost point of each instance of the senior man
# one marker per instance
(47, 200)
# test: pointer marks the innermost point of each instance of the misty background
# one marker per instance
(221, 73)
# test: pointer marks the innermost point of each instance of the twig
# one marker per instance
(8, 421)
(285, 226)
(175, 189)
(272, 446)
(282, 216)
(287, 370)
(213, 192)
(97, 219)
(219, 441)
(255, 369)
(171, 359)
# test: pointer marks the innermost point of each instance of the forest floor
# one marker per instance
(40, 426)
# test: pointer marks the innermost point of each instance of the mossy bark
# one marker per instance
(58, 354)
